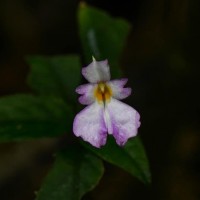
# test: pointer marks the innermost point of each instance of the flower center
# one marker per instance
(102, 93)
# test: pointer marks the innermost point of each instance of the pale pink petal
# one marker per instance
(97, 71)
(119, 82)
(82, 89)
(87, 92)
(118, 90)
(90, 125)
(124, 120)
(108, 121)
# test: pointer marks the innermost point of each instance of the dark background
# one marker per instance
(161, 60)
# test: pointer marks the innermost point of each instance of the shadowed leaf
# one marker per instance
(131, 157)
(102, 36)
(27, 116)
(74, 173)
(57, 75)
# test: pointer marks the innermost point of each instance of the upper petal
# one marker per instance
(87, 92)
(124, 120)
(97, 71)
(118, 90)
(89, 124)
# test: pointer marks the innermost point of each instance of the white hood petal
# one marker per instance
(97, 71)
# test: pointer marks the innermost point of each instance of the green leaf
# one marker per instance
(57, 75)
(27, 116)
(131, 157)
(102, 36)
(74, 173)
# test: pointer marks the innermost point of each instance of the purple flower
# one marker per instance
(104, 113)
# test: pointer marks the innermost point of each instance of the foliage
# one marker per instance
(77, 169)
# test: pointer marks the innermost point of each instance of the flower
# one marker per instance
(104, 113)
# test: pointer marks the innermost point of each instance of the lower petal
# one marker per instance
(89, 124)
(124, 119)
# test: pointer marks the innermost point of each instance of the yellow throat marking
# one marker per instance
(102, 93)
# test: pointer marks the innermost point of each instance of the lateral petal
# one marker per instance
(125, 121)
(90, 125)
(118, 90)
(87, 92)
